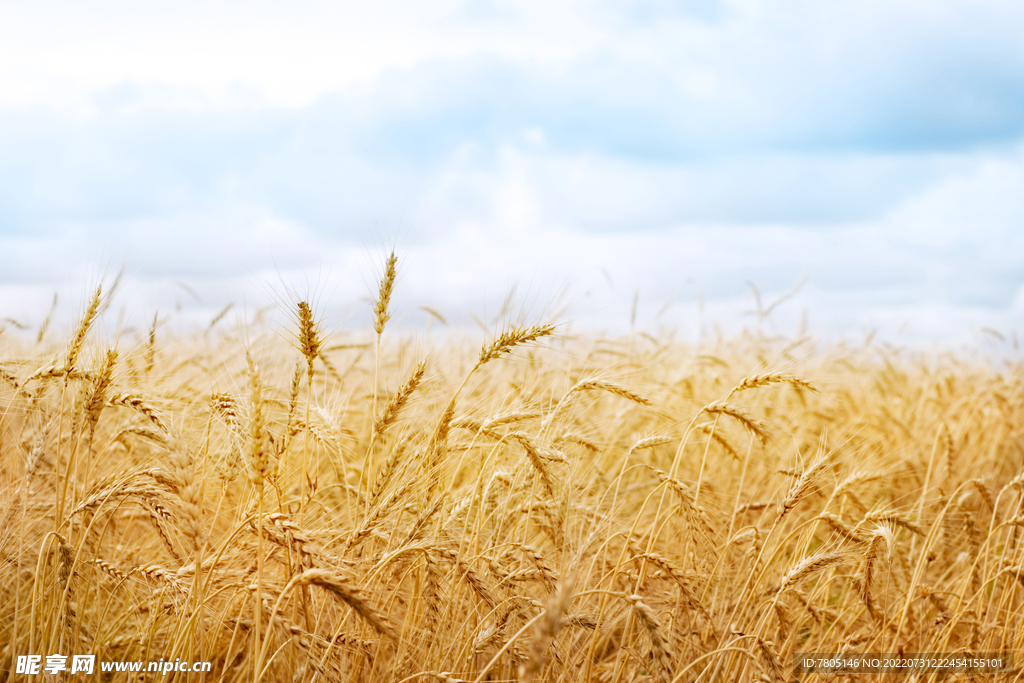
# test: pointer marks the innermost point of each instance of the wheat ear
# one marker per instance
(75, 347)
(809, 566)
(547, 629)
(753, 425)
(394, 406)
(509, 339)
(654, 631)
(880, 547)
(765, 379)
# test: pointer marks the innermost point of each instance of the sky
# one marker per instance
(636, 164)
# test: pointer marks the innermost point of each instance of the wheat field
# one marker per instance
(529, 505)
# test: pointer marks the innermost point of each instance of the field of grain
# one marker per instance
(362, 506)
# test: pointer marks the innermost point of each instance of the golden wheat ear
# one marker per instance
(78, 340)
(394, 406)
(309, 336)
(381, 305)
(509, 339)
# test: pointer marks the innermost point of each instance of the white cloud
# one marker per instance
(874, 146)
(235, 54)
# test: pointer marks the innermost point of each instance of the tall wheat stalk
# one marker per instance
(70, 363)
(309, 344)
(259, 464)
(381, 316)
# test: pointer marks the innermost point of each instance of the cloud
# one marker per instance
(338, 162)
(687, 148)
